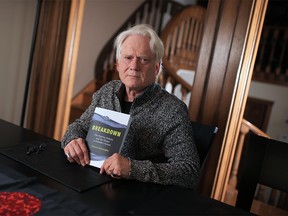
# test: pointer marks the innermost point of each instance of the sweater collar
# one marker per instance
(146, 94)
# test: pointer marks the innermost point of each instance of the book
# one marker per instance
(106, 134)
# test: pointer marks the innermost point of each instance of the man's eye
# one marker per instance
(127, 58)
(144, 60)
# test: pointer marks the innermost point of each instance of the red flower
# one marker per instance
(18, 203)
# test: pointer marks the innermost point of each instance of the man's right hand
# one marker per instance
(77, 151)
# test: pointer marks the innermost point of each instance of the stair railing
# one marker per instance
(271, 64)
(246, 127)
(263, 194)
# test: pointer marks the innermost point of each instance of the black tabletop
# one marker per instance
(72, 192)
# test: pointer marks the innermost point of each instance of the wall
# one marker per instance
(278, 123)
(16, 24)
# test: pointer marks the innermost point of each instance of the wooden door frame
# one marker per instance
(46, 65)
(229, 47)
(69, 68)
(216, 184)
(241, 89)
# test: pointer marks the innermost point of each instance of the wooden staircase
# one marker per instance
(81, 101)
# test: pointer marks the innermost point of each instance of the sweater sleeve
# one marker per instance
(102, 98)
(79, 128)
(182, 166)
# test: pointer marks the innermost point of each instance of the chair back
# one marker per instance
(203, 137)
(266, 163)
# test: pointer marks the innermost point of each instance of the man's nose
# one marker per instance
(134, 63)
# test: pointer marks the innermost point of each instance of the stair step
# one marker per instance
(84, 98)
(82, 101)
(76, 111)
(87, 98)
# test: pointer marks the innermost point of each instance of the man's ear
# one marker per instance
(157, 68)
(116, 65)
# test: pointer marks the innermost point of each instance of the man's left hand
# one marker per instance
(116, 166)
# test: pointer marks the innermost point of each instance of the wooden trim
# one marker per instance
(241, 89)
(205, 55)
(69, 68)
(220, 56)
(47, 66)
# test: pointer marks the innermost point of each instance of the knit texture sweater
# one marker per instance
(159, 142)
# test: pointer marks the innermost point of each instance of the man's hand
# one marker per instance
(76, 151)
(116, 166)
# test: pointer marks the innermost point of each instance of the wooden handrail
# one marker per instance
(254, 129)
(265, 196)
(246, 127)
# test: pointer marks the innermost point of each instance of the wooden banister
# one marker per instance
(182, 41)
(271, 64)
(253, 128)
(264, 196)
(246, 127)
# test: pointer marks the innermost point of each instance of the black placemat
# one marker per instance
(49, 201)
(52, 162)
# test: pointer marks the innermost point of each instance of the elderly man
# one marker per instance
(159, 145)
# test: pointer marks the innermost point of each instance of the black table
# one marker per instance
(114, 197)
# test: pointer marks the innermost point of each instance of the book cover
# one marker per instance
(106, 134)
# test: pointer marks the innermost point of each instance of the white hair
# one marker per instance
(156, 45)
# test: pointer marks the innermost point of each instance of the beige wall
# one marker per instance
(278, 123)
(16, 24)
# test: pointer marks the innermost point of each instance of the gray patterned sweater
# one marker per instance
(159, 142)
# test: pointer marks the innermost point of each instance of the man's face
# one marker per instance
(137, 66)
